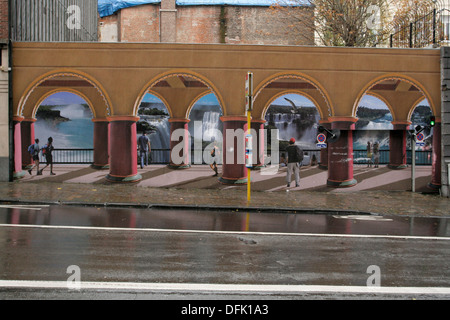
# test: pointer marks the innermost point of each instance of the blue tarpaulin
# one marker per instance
(109, 7)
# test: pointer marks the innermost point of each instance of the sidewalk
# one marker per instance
(379, 191)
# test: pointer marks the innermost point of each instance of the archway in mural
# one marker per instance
(70, 81)
(373, 127)
(154, 120)
(400, 93)
(205, 126)
(178, 90)
(294, 116)
(386, 100)
(67, 118)
(301, 84)
(186, 97)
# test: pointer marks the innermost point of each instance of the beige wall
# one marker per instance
(122, 72)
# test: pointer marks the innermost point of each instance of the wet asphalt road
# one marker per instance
(116, 245)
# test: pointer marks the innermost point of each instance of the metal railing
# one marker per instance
(162, 156)
(70, 156)
(432, 28)
(423, 158)
(86, 156)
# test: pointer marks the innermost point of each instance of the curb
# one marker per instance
(274, 210)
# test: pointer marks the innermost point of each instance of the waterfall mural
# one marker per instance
(373, 125)
(375, 122)
(154, 119)
(66, 118)
(207, 111)
(295, 117)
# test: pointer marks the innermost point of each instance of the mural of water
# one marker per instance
(74, 128)
(206, 111)
(375, 122)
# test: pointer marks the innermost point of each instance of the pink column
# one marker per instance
(397, 145)
(436, 181)
(28, 136)
(340, 155)
(258, 126)
(123, 149)
(101, 143)
(17, 173)
(234, 170)
(180, 141)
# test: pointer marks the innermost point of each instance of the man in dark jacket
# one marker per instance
(294, 159)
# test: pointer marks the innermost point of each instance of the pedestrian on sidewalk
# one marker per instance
(144, 148)
(294, 159)
(369, 154)
(376, 154)
(34, 150)
(214, 153)
(47, 153)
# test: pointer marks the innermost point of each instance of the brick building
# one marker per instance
(200, 21)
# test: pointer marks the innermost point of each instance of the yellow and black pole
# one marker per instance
(248, 137)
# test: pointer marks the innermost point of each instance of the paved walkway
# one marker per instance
(379, 191)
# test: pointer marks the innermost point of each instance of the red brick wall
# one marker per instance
(259, 25)
(4, 29)
(198, 24)
(202, 24)
(139, 24)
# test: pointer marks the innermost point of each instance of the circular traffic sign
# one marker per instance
(420, 136)
(321, 137)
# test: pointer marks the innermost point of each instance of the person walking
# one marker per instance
(34, 153)
(376, 154)
(294, 159)
(47, 153)
(144, 147)
(369, 154)
(214, 153)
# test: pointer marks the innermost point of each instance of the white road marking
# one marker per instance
(24, 207)
(363, 217)
(228, 288)
(226, 232)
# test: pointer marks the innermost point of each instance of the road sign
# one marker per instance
(321, 138)
(248, 151)
(420, 140)
(249, 92)
(249, 84)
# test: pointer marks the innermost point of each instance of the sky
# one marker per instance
(65, 98)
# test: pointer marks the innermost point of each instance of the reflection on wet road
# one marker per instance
(235, 221)
(160, 251)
